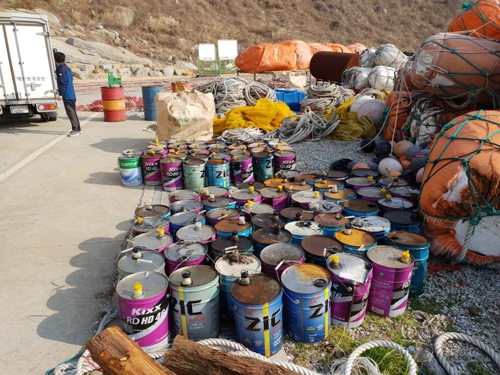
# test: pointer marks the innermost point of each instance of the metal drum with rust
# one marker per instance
(360, 207)
(309, 178)
(221, 202)
(153, 210)
(331, 223)
(177, 154)
(339, 195)
(242, 196)
(200, 155)
(404, 220)
(275, 197)
(372, 193)
(251, 209)
(302, 229)
(325, 184)
(233, 243)
(297, 187)
(267, 220)
(278, 257)
(325, 207)
(140, 261)
(216, 191)
(148, 224)
(268, 236)
(405, 192)
(356, 241)
(304, 198)
(183, 219)
(388, 182)
(183, 206)
(157, 241)
(276, 181)
(184, 195)
(183, 254)
(218, 214)
(226, 227)
(319, 247)
(376, 225)
(390, 203)
(197, 232)
(356, 183)
(296, 214)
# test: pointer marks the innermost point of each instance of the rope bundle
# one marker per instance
(322, 98)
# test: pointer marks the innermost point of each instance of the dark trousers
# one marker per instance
(70, 107)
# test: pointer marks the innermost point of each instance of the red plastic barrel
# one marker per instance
(113, 104)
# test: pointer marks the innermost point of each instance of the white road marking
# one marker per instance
(9, 172)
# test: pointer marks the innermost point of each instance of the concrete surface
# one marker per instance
(64, 218)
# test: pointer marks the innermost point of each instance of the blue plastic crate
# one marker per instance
(291, 97)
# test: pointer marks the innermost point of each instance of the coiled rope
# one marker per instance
(322, 98)
(256, 90)
(249, 135)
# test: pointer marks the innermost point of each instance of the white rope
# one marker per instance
(439, 343)
(247, 135)
(290, 366)
(465, 247)
(257, 90)
(321, 98)
(224, 343)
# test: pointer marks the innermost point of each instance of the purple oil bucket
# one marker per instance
(390, 287)
(184, 254)
(242, 196)
(285, 161)
(187, 205)
(216, 191)
(151, 168)
(157, 241)
(275, 197)
(218, 214)
(184, 195)
(390, 203)
(278, 257)
(242, 169)
(372, 193)
(197, 232)
(351, 280)
(143, 303)
(357, 183)
(304, 198)
(405, 192)
(171, 174)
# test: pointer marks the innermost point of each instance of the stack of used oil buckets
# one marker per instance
(249, 239)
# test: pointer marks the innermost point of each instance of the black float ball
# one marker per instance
(367, 145)
(340, 165)
(382, 148)
(410, 177)
(425, 145)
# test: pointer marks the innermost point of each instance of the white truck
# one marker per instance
(27, 70)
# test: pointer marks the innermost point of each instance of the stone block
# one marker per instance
(80, 74)
(98, 76)
(86, 67)
(155, 74)
(124, 72)
(179, 72)
(141, 72)
(168, 71)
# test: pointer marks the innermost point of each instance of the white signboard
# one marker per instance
(206, 52)
(228, 49)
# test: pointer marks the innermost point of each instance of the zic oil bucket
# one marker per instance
(233, 244)
(404, 220)
(183, 219)
(217, 173)
(226, 227)
(376, 225)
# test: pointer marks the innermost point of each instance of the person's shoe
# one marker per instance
(73, 133)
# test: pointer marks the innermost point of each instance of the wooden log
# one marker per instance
(190, 358)
(118, 354)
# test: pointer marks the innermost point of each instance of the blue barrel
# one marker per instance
(258, 313)
(404, 220)
(418, 246)
(263, 167)
(148, 97)
(221, 202)
(319, 248)
(217, 173)
(331, 223)
(183, 219)
(305, 302)
(360, 207)
(226, 227)
(356, 241)
(302, 229)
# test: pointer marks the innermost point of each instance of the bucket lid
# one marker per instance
(386, 181)
(179, 195)
(150, 240)
(229, 225)
(129, 265)
(297, 187)
(360, 181)
(331, 220)
(357, 238)
(284, 154)
(180, 155)
(395, 202)
(240, 158)
(186, 218)
(402, 238)
(324, 184)
(325, 207)
(194, 162)
(200, 275)
(216, 191)
(258, 208)
(257, 185)
(189, 204)
(284, 147)
(267, 220)
(152, 210)
(405, 191)
(190, 233)
(132, 151)
(291, 213)
(233, 264)
(129, 156)
(221, 159)
(371, 192)
(218, 202)
(222, 243)
(303, 228)
(363, 172)
(261, 154)
(262, 289)
(157, 155)
(361, 205)
(403, 217)
(168, 160)
(320, 245)
(371, 224)
(306, 278)
(271, 236)
(342, 194)
(218, 212)
(236, 146)
(272, 192)
(185, 251)
(306, 196)
(278, 252)
(334, 175)
(275, 182)
(244, 194)
(151, 223)
(307, 177)
(153, 283)
(388, 256)
(351, 267)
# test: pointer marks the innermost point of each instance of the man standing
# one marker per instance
(67, 92)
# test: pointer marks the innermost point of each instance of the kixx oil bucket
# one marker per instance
(351, 281)
(376, 225)
(183, 254)
(194, 174)
(157, 241)
(221, 202)
(267, 220)
(143, 302)
(405, 192)
(171, 174)
(241, 169)
(284, 161)
(278, 257)
(217, 173)
(195, 302)
(306, 291)
(372, 193)
(184, 195)
(404, 220)
(268, 236)
(356, 241)
(263, 168)
(325, 207)
(242, 196)
(356, 183)
(183, 219)
(148, 224)
(188, 205)
(392, 269)
(275, 197)
(229, 268)
(302, 229)
(226, 227)
(218, 214)
(304, 198)
(151, 168)
(197, 232)
(339, 195)
(139, 260)
(360, 207)
(318, 249)
(418, 246)
(151, 210)
(390, 203)
(216, 191)
(251, 209)
(331, 223)
(130, 169)
(296, 214)
(233, 244)
(258, 313)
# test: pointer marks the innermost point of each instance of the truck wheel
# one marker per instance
(52, 118)
(44, 117)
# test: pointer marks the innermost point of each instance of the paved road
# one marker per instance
(64, 218)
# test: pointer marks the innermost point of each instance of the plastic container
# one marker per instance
(291, 97)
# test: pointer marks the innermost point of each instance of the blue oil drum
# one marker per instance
(407, 220)
(263, 167)
(331, 223)
(226, 227)
(218, 173)
(258, 313)
(302, 229)
(356, 241)
(305, 302)
(360, 207)
(418, 245)
(376, 225)
(148, 97)
(319, 248)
